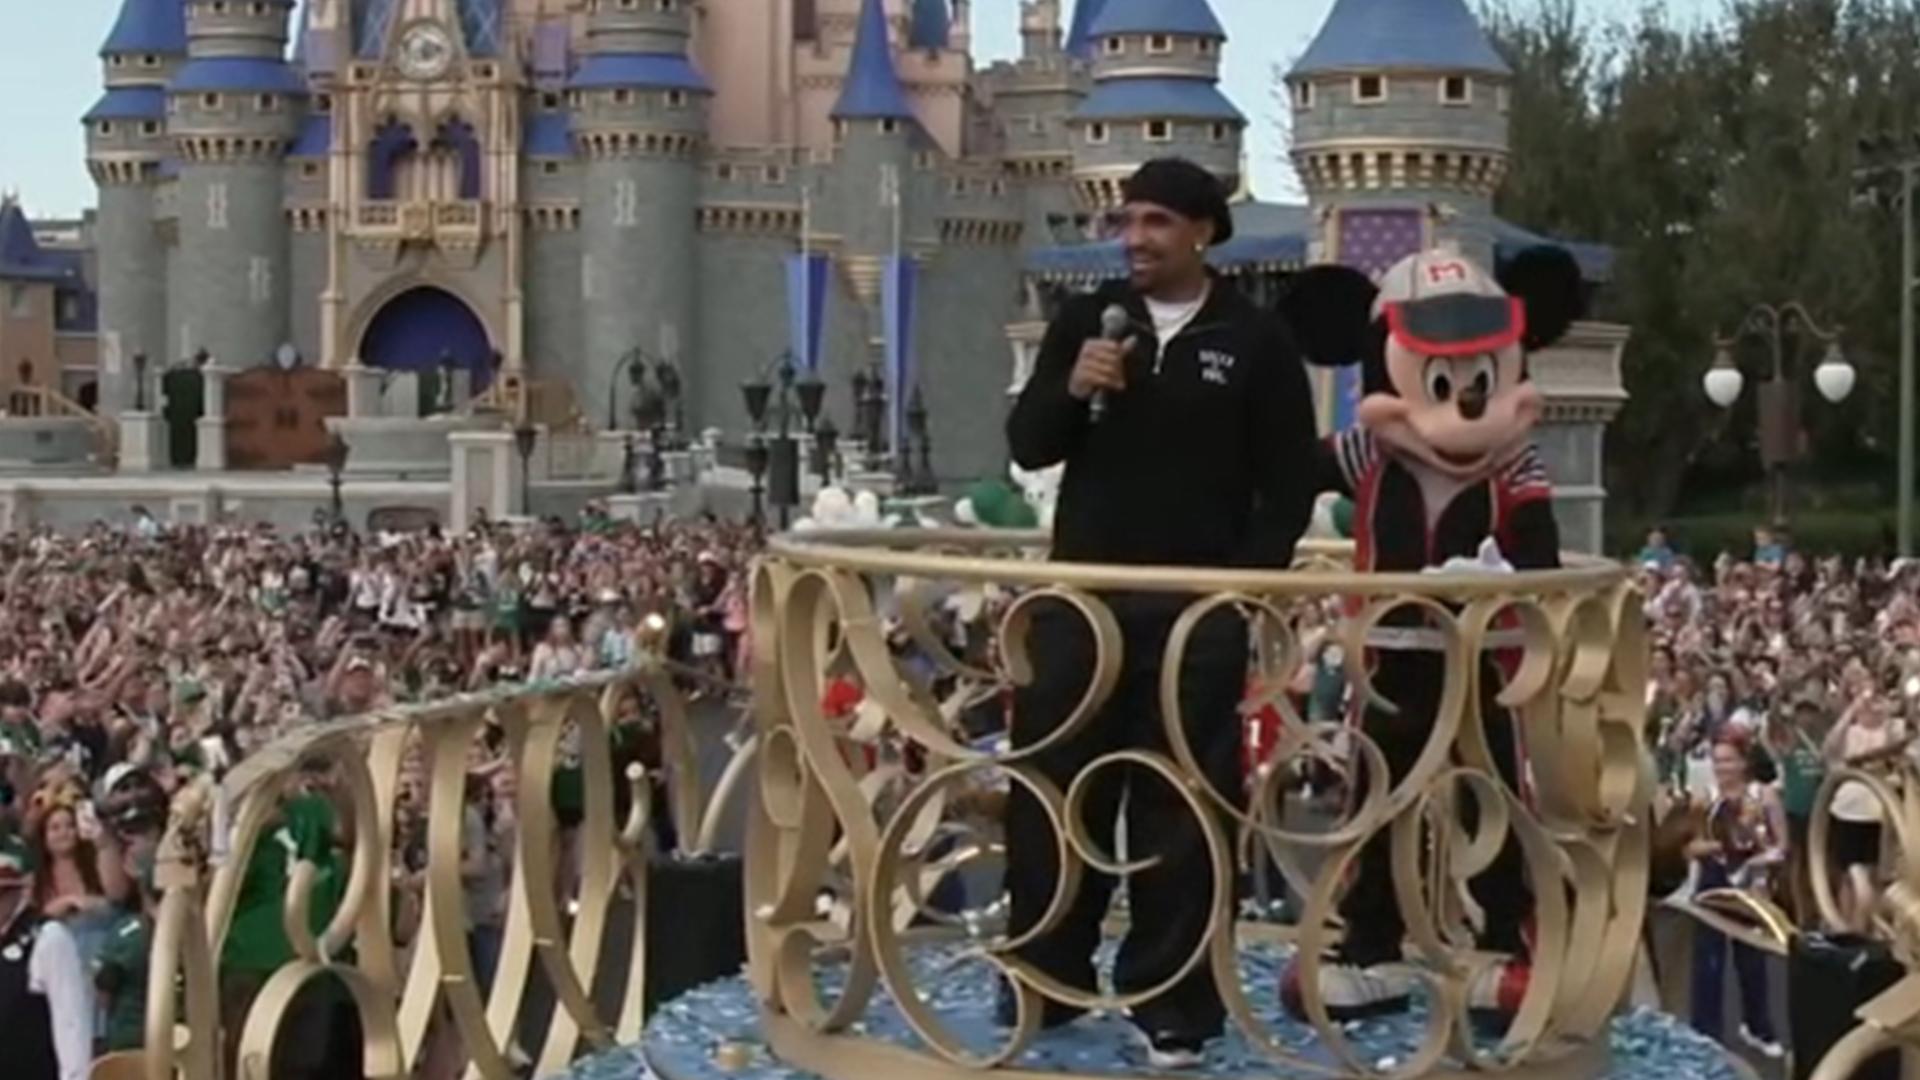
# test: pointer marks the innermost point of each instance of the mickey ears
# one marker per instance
(1329, 309)
(1546, 279)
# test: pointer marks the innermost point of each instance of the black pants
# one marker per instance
(1169, 901)
(1412, 681)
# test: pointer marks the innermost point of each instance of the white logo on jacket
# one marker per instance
(1214, 366)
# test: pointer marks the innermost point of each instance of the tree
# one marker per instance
(1718, 162)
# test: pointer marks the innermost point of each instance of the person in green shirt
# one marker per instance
(1795, 743)
(120, 969)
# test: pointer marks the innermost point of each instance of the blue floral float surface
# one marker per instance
(686, 1034)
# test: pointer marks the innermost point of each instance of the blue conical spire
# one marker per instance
(1080, 36)
(1372, 35)
(149, 26)
(932, 25)
(873, 90)
(1155, 17)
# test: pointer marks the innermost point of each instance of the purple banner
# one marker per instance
(1371, 241)
(897, 298)
(806, 308)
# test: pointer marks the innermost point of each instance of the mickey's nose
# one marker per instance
(1473, 402)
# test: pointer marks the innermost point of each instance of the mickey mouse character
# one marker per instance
(1443, 471)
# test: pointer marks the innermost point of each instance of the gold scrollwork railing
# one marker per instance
(827, 818)
(1890, 1020)
(401, 988)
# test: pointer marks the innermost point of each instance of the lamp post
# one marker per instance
(1779, 413)
(869, 412)
(524, 438)
(628, 463)
(336, 460)
(668, 377)
(757, 460)
(795, 396)
(825, 436)
(139, 382)
(920, 432)
(632, 363)
(1891, 167)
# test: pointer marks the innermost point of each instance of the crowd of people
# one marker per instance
(134, 659)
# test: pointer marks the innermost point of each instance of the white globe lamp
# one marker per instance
(1834, 376)
(1723, 382)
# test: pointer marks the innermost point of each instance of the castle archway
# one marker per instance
(416, 328)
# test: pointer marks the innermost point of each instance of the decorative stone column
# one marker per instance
(143, 442)
(211, 428)
(484, 477)
(1580, 379)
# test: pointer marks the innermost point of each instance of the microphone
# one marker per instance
(1113, 327)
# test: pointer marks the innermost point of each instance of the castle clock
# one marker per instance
(425, 51)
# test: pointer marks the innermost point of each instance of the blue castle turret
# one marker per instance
(126, 148)
(236, 108)
(1402, 104)
(639, 116)
(1156, 71)
(877, 131)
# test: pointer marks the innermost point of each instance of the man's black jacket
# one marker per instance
(1207, 458)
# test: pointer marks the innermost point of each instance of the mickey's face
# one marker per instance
(1461, 415)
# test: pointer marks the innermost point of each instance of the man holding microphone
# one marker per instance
(1184, 418)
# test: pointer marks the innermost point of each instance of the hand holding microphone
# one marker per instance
(1101, 367)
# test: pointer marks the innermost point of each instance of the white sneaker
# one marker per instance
(1766, 1048)
(1167, 1051)
(1351, 992)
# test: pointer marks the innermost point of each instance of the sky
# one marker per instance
(50, 75)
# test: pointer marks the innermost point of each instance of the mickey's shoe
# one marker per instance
(1351, 991)
(1495, 991)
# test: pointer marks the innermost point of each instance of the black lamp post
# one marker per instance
(524, 438)
(633, 364)
(870, 392)
(803, 396)
(825, 435)
(336, 459)
(668, 377)
(628, 463)
(758, 457)
(919, 433)
(140, 382)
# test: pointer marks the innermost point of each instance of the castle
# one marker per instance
(543, 190)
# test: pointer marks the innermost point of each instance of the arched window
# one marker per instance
(456, 137)
(392, 144)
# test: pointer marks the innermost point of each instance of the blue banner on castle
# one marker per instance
(896, 299)
(806, 308)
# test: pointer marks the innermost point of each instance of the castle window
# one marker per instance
(309, 170)
(106, 127)
(839, 131)
(1206, 46)
(257, 8)
(676, 99)
(1500, 96)
(959, 185)
(1097, 134)
(116, 61)
(924, 161)
(1303, 95)
(1159, 44)
(550, 168)
(1221, 132)
(219, 7)
(19, 301)
(1456, 90)
(1369, 89)
(1037, 124)
(149, 60)
(209, 101)
(323, 103)
(149, 127)
(549, 100)
(669, 6)
(484, 71)
(622, 97)
(888, 125)
(1115, 46)
(723, 172)
(269, 103)
(776, 175)
(1159, 131)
